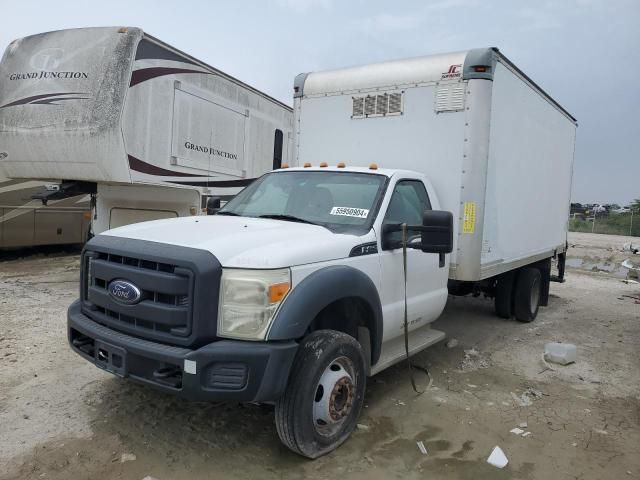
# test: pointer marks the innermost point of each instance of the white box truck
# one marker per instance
(315, 277)
(147, 130)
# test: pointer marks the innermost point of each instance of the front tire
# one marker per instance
(324, 395)
(526, 301)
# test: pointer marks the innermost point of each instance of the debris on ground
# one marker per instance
(473, 360)
(364, 428)
(452, 343)
(560, 353)
(517, 431)
(523, 425)
(127, 457)
(497, 458)
(633, 268)
(422, 448)
(527, 397)
(631, 247)
(526, 434)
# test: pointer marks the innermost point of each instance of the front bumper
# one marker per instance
(225, 370)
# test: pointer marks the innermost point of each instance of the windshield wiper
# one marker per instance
(288, 218)
(233, 214)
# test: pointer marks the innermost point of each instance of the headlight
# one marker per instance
(248, 301)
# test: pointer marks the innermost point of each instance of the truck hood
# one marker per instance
(244, 242)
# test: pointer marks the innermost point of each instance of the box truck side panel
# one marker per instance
(528, 178)
(419, 138)
(60, 103)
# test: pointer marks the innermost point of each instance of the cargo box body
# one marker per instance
(115, 106)
(497, 149)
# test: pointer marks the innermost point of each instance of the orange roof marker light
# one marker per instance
(284, 165)
(373, 166)
(323, 164)
(307, 165)
(341, 165)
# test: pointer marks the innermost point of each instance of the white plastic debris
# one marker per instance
(497, 458)
(422, 448)
(561, 353)
(363, 427)
(127, 457)
(517, 431)
(526, 434)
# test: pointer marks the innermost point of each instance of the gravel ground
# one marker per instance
(62, 418)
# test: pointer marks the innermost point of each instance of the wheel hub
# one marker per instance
(333, 399)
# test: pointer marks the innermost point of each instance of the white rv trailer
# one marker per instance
(498, 151)
(25, 222)
(147, 129)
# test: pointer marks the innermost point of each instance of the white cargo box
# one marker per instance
(497, 149)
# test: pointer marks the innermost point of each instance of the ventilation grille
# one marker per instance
(449, 98)
(358, 107)
(377, 105)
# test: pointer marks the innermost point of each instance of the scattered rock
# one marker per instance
(452, 343)
(127, 457)
(473, 360)
(523, 425)
(517, 431)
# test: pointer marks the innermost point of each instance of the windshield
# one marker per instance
(336, 200)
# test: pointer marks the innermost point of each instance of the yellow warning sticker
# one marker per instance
(469, 218)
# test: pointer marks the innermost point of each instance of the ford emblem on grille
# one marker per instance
(124, 292)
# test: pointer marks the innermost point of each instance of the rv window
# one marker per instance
(277, 150)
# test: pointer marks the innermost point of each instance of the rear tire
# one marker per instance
(503, 301)
(526, 300)
(324, 395)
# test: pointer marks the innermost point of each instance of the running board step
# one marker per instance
(394, 351)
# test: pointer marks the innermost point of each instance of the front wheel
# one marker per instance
(324, 396)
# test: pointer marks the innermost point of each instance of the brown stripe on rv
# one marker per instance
(144, 74)
(144, 167)
(26, 100)
(151, 51)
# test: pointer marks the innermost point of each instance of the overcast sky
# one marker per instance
(584, 53)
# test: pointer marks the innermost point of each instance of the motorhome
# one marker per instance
(414, 179)
(146, 130)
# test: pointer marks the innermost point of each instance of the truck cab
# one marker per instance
(293, 293)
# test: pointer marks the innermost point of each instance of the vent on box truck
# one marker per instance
(381, 105)
(449, 98)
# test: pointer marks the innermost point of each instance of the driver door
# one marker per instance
(426, 281)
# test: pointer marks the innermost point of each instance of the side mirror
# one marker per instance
(213, 205)
(437, 232)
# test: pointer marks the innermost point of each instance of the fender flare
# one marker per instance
(320, 289)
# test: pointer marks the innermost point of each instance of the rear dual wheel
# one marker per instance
(324, 396)
(518, 294)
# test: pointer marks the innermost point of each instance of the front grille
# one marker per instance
(165, 309)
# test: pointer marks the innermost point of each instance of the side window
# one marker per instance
(277, 149)
(408, 201)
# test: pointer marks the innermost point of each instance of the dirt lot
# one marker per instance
(62, 418)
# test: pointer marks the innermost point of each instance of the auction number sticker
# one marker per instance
(350, 212)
